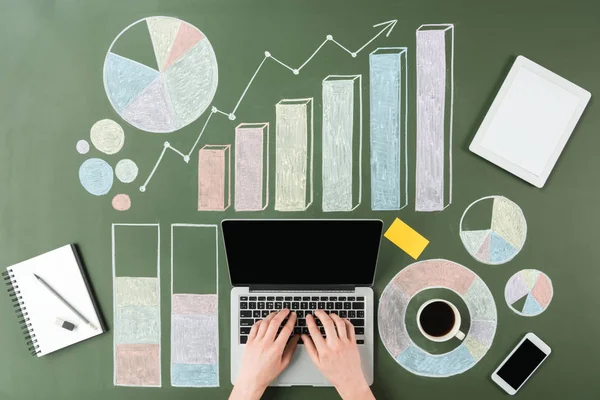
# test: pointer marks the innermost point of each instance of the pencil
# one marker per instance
(70, 307)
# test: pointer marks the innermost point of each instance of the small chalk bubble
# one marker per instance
(213, 110)
(126, 170)
(329, 37)
(142, 189)
(267, 54)
(121, 202)
(231, 117)
(96, 176)
(296, 71)
(82, 146)
(353, 55)
(167, 144)
(186, 159)
(107, 136)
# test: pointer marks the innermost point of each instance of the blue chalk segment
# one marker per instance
(387, 73)
(96, 176)
(420, 362)
(500, 250)
(125, 79)
(195, 375)
(532, 307)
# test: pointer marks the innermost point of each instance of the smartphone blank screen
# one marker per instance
(521, 364)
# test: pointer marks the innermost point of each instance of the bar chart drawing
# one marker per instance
(435, 103)
(194, 316)
(136, 311)
(294, 149)
(388, 75)
(251, 166)
(214, 178)
(342, 142)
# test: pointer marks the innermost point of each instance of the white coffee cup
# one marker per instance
(453, 332)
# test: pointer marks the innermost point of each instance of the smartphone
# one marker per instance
(521, 363)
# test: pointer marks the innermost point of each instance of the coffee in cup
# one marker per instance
(439, 320)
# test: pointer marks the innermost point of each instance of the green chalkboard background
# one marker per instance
(51, 93)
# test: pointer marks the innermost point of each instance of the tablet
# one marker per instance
(530, 121)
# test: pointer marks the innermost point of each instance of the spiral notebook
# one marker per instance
(38, 310)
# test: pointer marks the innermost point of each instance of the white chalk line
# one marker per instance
(387, 26)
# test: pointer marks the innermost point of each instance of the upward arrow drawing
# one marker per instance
(385, 26)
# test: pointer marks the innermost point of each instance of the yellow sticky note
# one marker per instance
(406, 238)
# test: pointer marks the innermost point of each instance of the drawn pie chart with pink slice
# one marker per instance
(493, 230)
(160, 74)
(529, 292)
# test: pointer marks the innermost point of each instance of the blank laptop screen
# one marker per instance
(302, 252)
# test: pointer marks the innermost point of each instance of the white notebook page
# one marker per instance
(59, 269)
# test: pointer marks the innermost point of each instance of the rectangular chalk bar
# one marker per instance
(406, 238)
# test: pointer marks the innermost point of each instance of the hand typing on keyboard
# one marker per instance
(332, 346)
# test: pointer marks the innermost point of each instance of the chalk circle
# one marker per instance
(529, 292)
(107, 136)
(500, 232)
(126, 170)
(96, 176)
(171, 93)
(82, 146)
(437, 274)
(121, 202)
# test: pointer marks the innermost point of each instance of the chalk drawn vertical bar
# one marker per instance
(194, 315)
(251, 167)
(136, 311)
(214, 178)
(388, 75)
(342, 142)
(294, 154)
(435, 98)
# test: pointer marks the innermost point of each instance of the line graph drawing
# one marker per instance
(385, 28)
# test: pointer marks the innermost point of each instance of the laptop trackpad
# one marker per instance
(301, 371)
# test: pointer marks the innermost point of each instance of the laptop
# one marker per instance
(303, 265)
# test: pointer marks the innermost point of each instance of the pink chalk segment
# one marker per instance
(195, 304)
(436, 274)
(532, 283)
(214, 177)
(483, 254)
(187, 37)
(137, 365)
(251, 167)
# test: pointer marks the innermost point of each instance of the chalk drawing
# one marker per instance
(504, 238)
(251, 166)
(294, 154)
(166, 38)
(137, 323)
(126, 170)
(121, 202)
(173, 93)
(342, 142)
(388, 74)
(425, 275)
(214, 178)
(96, 176)
(107, 136)
(194, 325)
(82, 146)
(532, 285)
(435, 103)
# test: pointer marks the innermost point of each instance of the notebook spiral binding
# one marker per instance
(21, 311)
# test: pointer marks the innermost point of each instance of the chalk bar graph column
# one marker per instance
(294, 154)
(435, 95)
(342, 142)
(194, 306)
(251, 167)
(388, 75)
(214, 178)
(136, 302)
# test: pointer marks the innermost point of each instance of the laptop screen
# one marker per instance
(302, 252)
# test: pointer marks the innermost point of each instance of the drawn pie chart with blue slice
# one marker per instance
(160, 74)
(493, 230)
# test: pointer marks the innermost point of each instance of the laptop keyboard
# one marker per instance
(255, 308)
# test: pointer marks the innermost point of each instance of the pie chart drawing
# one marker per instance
(169, 87)
(529, 292)
(501, 230)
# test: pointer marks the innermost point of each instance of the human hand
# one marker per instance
(266, 355)
(337, 355)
